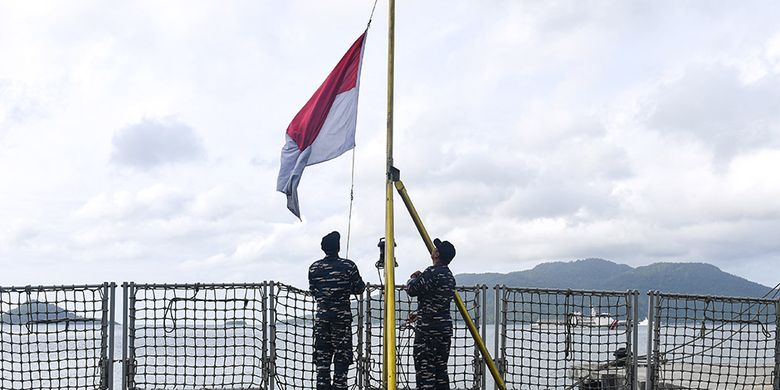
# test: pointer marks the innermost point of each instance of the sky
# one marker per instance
(140, 141)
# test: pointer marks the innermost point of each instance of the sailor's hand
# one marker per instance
(416, 274)
(412, 318)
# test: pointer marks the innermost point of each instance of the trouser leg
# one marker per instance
(423, 359)
(441, 344)
(323, 354)
(343, 354)
(340, 375)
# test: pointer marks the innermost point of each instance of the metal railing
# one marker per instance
(563, 339)
(258, 336)
(56, 337)
(292, 342)
(195, 336)
(711, 342)
(465, 364)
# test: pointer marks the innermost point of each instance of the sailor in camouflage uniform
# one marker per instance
(434, 289)
(331, 281)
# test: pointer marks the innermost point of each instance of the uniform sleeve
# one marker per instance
(313, 283)
(420, 285)
(356, 282)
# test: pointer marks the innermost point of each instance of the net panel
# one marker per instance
(215, 336)
(54, 337)
(464, 366)
(706, 342)
(293, 312)
(197, 336)
(561, 339)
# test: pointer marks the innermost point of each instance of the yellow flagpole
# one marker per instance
(389, 371)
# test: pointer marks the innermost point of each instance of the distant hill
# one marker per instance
(36, 312)
(599, 274)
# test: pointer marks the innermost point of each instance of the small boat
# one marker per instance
(599, 320)
(236, 324)
(577, 319)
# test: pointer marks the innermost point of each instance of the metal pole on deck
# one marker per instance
(124, 335)
(777, 345)
(483, 290)
(369, 334)
(389, 374)
(634, 339)
(111, 329)
(649, 382)
(264, 307)
(272, 335)
(360, 359)
(496, 325)
(131, 335)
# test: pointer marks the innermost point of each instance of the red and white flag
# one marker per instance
(325, 127)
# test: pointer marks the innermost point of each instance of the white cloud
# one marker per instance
(712, 105)
(152, 142)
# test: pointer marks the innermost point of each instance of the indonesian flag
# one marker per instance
(325, 127)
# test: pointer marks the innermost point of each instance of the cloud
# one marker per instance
(157, 201)
(155, 142)
(712, 105)
(18, 234)
(26, 102)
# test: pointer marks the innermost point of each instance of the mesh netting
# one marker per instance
(704, 342)
(464, 365)
(54, 337)
(197, 336)
(292, 340)
(259, 336)
(557, 339)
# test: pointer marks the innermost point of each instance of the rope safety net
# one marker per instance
(705, 342)
(562, 339)
(292, 340)
(197, 336)
(465, 364)
(53, 337)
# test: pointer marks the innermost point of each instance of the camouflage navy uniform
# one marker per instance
(331, 281)
(434, 289)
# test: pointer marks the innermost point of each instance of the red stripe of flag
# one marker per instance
(306, 125)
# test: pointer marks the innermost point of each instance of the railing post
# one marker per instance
(272, 330)
(367, 362)
(111, 334)
(496, 324)
(777, 345)
(635, 340)
(358, 371)
(264, 308)
(130, 362)
(125, 297)
(651, 325)
(483, 328)
(477, 362)
(500, 342)
(104, 362)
